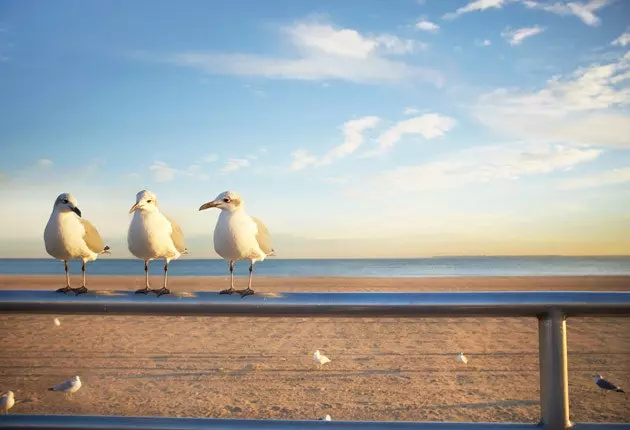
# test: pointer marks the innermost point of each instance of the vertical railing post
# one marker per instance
(554, 375)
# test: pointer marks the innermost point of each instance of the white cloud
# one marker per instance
(477, 5)
(353, 138)
(429, 126)
(584, 11)
(301, 159)
(426, 25)
(410, 110)
(516, 37)
(322, 52)
(586, 107)
(485, 164)
(234, 164)
(601, 179)
(44, 163)
(484, 42)
(622, 40)
(162, 172)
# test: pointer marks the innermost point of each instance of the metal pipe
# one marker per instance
(554, 376)
(425, 304)
(76, 422)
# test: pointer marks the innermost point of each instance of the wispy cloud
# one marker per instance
(622, 40)
(584, 11)
(301, 159)
(162, 172)
(601, 179)
(322, 52)
(477, 5)
(585, 107)
(44, 163)
(517, 36)
(234, 164)
(410, 110)
(426, 25)
(429, 126)
(485, 164)
(485, 42)
(209, 158)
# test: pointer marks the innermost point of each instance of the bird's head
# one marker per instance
(76, 379)
(9, 394)
(316, 353)
(597, 377)
(146, 201)
(226, 201)
(66, 203)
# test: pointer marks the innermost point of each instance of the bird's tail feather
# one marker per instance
(51, 389)
(619, 390)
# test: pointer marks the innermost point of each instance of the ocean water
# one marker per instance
(273, 267)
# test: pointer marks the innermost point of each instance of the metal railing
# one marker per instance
(550, 308)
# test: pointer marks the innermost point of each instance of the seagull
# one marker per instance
(67, 236)
(320, 359)
(68, 387)
(7, 401)
(238, 236)
(326, 418)
(606, 385)
(57, 322)
(461, 357)
(153, 235)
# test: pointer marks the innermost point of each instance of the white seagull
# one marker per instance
(238, 236)
(7, 401)
(153, 235)
(67, 236)
(606, 385)
(320, 359)
(69, 387)
(461, 357)
(326, 418)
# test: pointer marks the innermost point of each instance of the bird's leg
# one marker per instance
(145, 290)
(231, 290)
(163, 290)
(67, 287)
(83, 288)
(248, 291)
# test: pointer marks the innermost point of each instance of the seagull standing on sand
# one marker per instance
(326, 418)
(238, 236)
(7, 401)
(461, 357)
(153, 235)
(69, 387)
(67, 236)
(606, 385)
(320, 359)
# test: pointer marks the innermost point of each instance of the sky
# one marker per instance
(355, 128)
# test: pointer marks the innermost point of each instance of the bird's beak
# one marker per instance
(133, 208)
(76, 210)
(212, 204)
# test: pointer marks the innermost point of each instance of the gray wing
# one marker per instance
(93, 240)
(602, 383)
(177, 235)
(63, 386)
(263, 237)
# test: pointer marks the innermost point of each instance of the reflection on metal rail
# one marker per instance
(550, 308)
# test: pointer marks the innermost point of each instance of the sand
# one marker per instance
(381, 369)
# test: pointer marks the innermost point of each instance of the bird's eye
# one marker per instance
(65, 201)
(149, 201)
(226, 200)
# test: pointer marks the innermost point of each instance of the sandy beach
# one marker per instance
(381, 369)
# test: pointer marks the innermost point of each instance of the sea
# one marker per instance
(387, 268)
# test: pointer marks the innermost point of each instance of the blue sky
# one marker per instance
(362, 128)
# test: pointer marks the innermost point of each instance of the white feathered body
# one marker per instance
(149, 236)
(235, 237)
(70, 386)
(64, 237)
(7, 401)
(321, 359)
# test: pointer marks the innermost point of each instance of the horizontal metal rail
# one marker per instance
(550, 308)
(424, 304)
(87, 422)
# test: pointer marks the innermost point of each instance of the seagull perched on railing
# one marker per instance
(67, 236)
(606, 385)
(238, 236)
(153, 235)
(68, 387)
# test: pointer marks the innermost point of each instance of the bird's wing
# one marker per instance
(63, 386)
(263, 237)
(602, 383)
(93, 240)
(177, 235)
